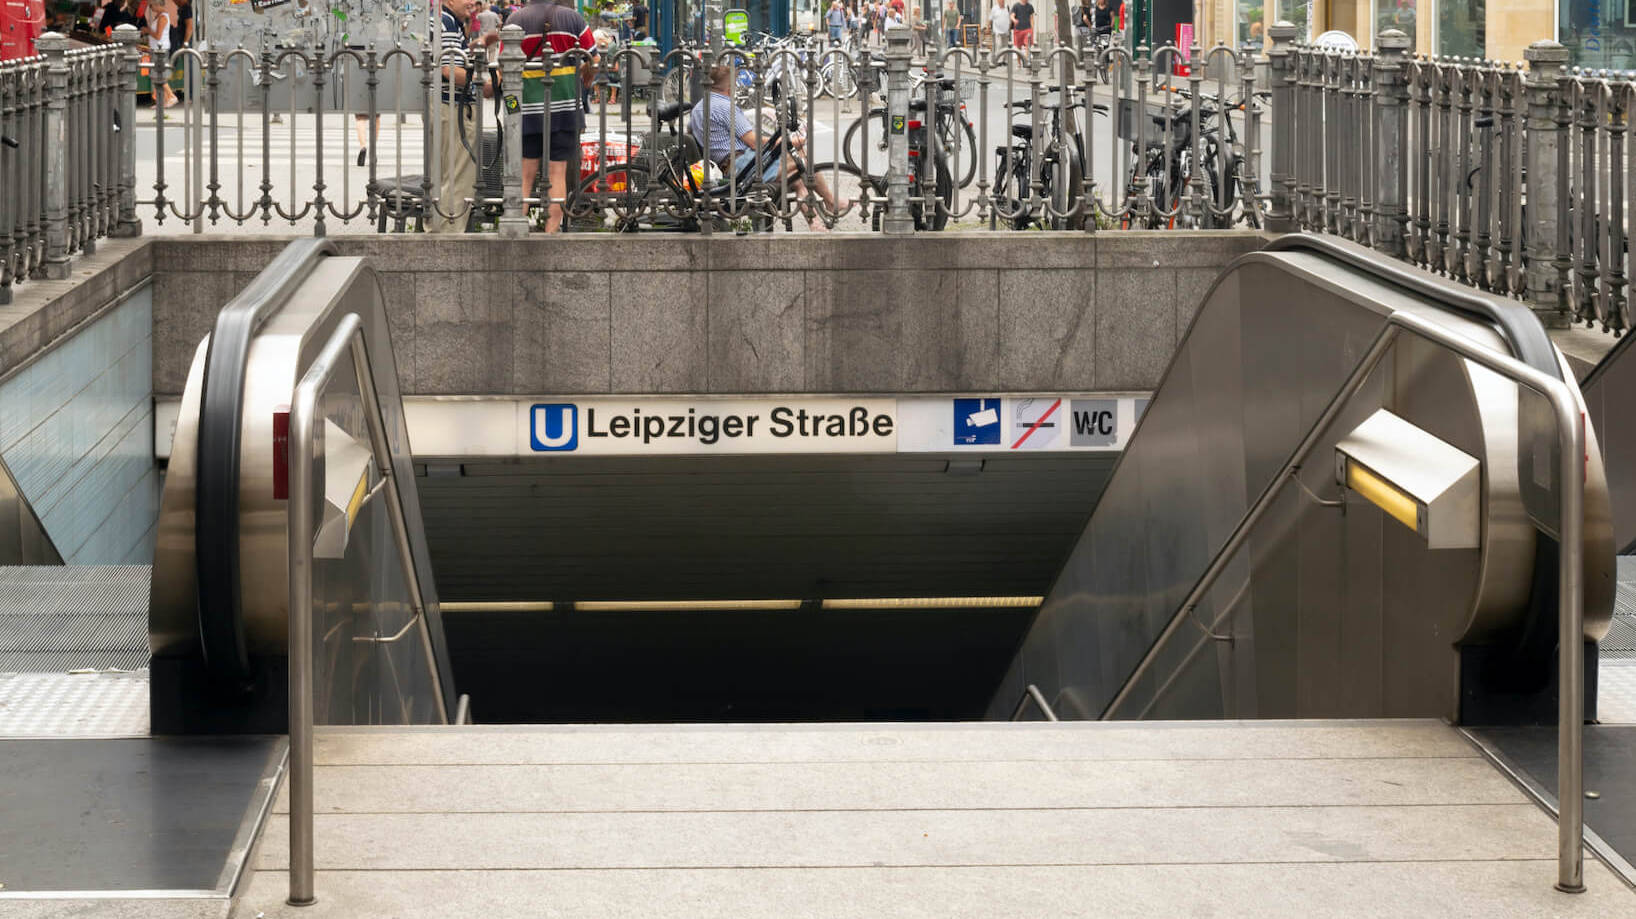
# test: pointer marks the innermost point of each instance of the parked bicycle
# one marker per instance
(930, 214)
(956, 135)
(1040, 183)
(1166, 168)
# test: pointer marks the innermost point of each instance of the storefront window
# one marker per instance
(1298, 13)
(1598, 33)
(1395, 14)
(1249, 23)
(1460, 27)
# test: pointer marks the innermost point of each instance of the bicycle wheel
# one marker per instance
(1010, 192)
(959, 144)
(628, 196)
(847, 183)
(672, 89)
(838, 78)
(852, 143)
(1066, 198)
(927, 216)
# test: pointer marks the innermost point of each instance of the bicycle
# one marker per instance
(955, 131)
(1168, 168)
(872, 187)
(1015, 199)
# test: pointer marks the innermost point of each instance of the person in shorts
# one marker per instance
(551, 29)
(1022, 24)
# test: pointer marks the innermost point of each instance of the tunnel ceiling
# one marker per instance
(756, 527)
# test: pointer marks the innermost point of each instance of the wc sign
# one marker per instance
(554, 427)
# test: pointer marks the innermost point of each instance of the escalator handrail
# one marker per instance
(216, 498)
(1515, 322)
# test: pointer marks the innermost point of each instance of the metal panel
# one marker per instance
(23, 541)
(58, 618)
(1610, 390)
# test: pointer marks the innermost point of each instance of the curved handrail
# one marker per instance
(216, 495)
(347, 341)
(1515, 323)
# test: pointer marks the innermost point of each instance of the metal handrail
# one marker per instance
(1570, 587)
(304, 416)
(1032, 693)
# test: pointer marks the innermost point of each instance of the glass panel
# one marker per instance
(1462, 28)
(1598, 34)
(1299, 13)
(1249, 24)
(360, 592)
(1396, 14)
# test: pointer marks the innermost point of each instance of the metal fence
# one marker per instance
(61, 157)
(1512, 178)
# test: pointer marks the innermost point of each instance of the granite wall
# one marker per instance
(671, 314)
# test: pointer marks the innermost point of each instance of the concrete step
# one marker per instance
(1298, 818)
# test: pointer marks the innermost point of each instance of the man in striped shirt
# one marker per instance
(552, 30)
(458, 144)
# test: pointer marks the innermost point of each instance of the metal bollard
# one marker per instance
(1281, 76)
(514, 221)
(1544, 94)
(54, 47)
(1391, 137)
(898, 219)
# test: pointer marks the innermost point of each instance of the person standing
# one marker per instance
(458, 132)
(639, 20)
(1022, 24)
(999, 24)
(836, 20)
(181, 30)
(551, 29)
(157, 27)
(952, 21)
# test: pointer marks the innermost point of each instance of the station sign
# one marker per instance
(702, 425)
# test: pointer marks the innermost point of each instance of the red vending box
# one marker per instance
(21, 21)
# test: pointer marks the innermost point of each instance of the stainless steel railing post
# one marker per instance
(347, 339)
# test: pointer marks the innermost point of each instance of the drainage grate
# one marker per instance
(73, 617)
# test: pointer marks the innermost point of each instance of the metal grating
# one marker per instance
(60, 618)
(1616, 691)
(73, 704)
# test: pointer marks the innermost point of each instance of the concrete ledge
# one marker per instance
(603, 313)
(44, 311)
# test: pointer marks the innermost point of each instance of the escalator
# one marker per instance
(1326, 608)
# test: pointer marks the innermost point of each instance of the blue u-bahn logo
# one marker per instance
(554, 427)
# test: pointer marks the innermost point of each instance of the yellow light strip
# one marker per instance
(934, 603)
(1384, 495)
(497, 606)
(659, 606)
(640, 606)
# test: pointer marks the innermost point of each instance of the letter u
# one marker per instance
(542, 426)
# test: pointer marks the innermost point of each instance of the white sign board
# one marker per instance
(695, 426)
(559, 426)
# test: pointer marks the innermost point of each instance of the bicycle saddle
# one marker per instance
(670, 111)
